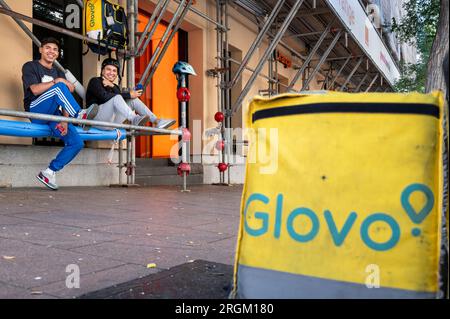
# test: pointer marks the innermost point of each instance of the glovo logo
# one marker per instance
(91, 7)
(339, 236)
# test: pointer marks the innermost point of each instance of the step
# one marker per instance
(168, 180)
(153, 162)
(19, 166)
(167, 170)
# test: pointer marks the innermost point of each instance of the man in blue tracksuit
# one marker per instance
(47, 91)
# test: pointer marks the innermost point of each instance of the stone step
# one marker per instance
(168, 170)
(168, 180)
(19, 166)
(153, 162)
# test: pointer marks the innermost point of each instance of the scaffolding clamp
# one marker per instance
(216, 71)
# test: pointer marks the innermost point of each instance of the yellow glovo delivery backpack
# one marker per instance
(345, 197)
(105, 22)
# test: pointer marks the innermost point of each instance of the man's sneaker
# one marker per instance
(88, 114)
(161, 123)
(140, 120)
(48, 179)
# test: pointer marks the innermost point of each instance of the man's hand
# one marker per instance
(62, 128)
(135, 94)
(69, 85)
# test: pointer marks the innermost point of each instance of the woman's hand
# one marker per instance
(135, 94)
(107, 83)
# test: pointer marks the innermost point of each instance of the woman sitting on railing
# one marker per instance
(115, 106)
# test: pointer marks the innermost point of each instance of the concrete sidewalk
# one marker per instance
(112, 234)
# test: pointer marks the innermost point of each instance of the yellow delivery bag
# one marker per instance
(344, 197)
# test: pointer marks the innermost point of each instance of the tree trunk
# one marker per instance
(435, 74)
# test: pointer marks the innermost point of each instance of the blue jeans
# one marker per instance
(48, 103)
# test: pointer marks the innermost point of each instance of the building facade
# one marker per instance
(323, 45)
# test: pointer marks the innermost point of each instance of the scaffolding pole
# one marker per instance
(340, 58)
(355, 68)
(311, 55)
(169, 41)
(204, 16)
(57, 118)
(327, 77)
(224, 89)
(336, 76)
(52, 27)
(131, 176)
(161, 42)
(372, 82)
(301, 35)
(165, 42)
(35, 40)
(220, 80)
(361, 82)
(273, 79)
(228, 92)
(269, 50)
(147, 35)
(322, 60)
(257, 42)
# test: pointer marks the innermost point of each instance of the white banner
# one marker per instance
(354, 17)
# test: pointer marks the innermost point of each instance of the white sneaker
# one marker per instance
(48, 178)
(162, 123)
(140, 120)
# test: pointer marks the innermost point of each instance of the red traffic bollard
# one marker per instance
(220, 145)
(183, 167)
(183, 94)
(186, 137)
(222, 167)
(219, 117)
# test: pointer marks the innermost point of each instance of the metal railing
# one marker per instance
(56, 118)
(132, 132)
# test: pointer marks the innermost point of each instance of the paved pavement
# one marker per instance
(114, 235)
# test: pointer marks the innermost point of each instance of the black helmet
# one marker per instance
(111, 61)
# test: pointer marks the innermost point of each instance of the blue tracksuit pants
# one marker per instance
(48, 103)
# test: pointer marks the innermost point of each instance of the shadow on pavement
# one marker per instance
(197, 280)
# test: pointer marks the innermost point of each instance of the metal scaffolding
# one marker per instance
(308, 30)
(312, 23)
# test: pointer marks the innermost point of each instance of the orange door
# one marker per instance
(160, 95)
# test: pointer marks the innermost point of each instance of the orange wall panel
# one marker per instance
(164, 87)
(160, 95)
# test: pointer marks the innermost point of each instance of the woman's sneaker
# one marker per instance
(162, 123)
(88, 114)
(140, 120)
(48, 179)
